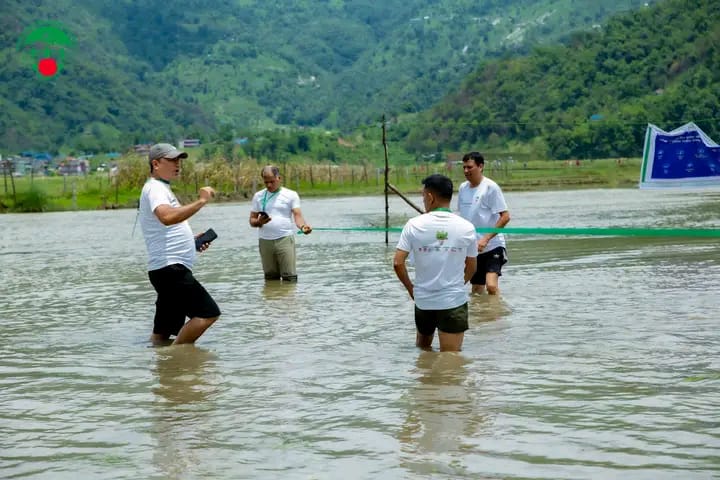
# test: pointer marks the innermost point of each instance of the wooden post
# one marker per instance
(12, 183)
(387, 172)
(5, 164)
(74, 194)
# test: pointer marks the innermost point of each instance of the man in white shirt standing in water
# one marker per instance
(445, 252)
(171, 252)
(481, 201)
(276, 213)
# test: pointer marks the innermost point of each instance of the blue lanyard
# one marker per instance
(266, 199)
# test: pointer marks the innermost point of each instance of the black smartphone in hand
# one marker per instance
(208, 236)
(263, 214)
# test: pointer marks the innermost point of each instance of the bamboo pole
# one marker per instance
(12, 184)
(5, 164)
(387, 183)
(407, 200)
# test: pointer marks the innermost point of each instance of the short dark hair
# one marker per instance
(440, 185)
(475, 156)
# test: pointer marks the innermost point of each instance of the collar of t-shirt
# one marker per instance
(266, 199)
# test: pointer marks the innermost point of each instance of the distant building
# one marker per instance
(142, 148)
(188, 142)
(74, 166)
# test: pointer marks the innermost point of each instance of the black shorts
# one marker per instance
(180, 295)
(489, 262)
(452, 320)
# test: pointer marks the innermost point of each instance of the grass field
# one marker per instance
(239, 181)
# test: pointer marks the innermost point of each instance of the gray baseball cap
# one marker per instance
(165, 150)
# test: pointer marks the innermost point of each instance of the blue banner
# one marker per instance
(684, 157)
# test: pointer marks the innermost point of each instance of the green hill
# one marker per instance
(594, 97)
(145, 70)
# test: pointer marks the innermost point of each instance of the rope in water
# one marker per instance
(607, 232)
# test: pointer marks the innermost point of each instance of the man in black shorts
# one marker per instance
(481, 201)
(171, 252)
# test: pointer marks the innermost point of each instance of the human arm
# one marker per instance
(501, 222)
(401, 271)
(470, 267)
(257, 220)
(300, 221)
(169, 215)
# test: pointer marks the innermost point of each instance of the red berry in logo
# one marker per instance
(47, 67)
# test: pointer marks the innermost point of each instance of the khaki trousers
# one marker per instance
(278, 258)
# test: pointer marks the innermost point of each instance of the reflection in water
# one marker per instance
(487, 308)
(276, 290)
(184, 393)
(442, 412)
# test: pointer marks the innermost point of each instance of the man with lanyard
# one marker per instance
(275, 212)
(444, 248)
(481, 201)
(171, 252)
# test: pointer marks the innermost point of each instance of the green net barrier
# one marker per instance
(606, 232)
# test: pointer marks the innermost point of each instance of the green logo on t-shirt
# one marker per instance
(440, 235)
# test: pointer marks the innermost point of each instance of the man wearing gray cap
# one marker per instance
(171, 252)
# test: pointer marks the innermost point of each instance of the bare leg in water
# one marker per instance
(189, 333)
(193, 329)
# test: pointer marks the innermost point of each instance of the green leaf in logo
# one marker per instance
(46, 46)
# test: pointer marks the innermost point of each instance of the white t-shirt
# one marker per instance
(279, 205)
(166, 245)
(439, 242)
(482, 206)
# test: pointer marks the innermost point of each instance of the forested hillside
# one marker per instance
(594, 97)
(154, 69)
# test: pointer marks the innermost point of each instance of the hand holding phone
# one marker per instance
(206, 237)
(263, 218)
